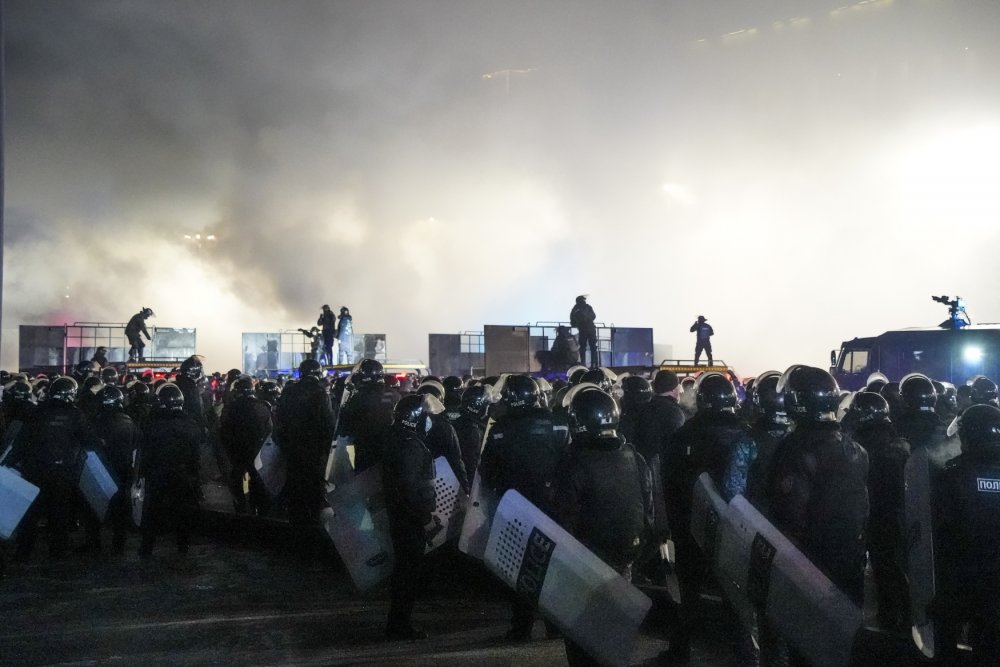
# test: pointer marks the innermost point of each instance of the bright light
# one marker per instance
(952, 178)
(972, 354)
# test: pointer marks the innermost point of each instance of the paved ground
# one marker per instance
(240, 598)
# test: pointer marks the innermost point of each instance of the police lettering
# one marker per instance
(535, 565)
(988, 485)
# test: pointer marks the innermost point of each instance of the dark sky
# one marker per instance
(799, 172)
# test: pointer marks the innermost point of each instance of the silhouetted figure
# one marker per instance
(582, 318)
(703, 333)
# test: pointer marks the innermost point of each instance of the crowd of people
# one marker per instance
(613, 459)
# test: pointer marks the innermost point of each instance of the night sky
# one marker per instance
(800, 172)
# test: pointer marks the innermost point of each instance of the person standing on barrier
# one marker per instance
(408, 478)
(582, 317)
(522, 451)
(603, 491)
(703, 339)
(328, 325)
(345, 337)
(135, 330)
(715, 440)
(170, 461)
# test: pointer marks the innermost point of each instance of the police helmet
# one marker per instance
(519, 392)
(368, 372)
(979, 431)
(192, 368)
(137, 388)
(109, 375)
(269, 391)
(984, 391)
(111, 398)
(232, 375)
(170, 397)
(575, 374)
(811, 394)
(243, 386)
(592, 413)
(636, 389)
(18, 392)
(452, 384)
(918, 393)
(765, 397)
(714, 392)
(867, 407)
(63, 390)
(476, 401)
(84, 369)
(413, 413)
(432, 388)
(602, 377)
(93, 384)
(310, 368)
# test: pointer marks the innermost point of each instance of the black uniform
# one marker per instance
(657, 422)
(408, 474)
(767, 434)
(122, 437)
(604, 498)
(967, 543)
(366, 418)
(306, 428)
(703, 339)
(817, 496)
(442, 440)
(522, 452)
(718, 443)
(246, 422)
(52, 459)
(169, 461)
(582, 317)
(470, 438)
(134, 330)
(887, 454)
(328, 323)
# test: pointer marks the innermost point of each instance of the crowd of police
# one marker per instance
(613, 459)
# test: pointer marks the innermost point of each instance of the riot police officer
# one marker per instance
(867, 422)
(715, 440)
(603, 493)
(122, 437)
(169, 461)
(305, 429)
(52, 459)
(408, 473)
(770, 425)
(636, 393)
(367, 414)
(522, 451)
(817, 493)
(471, 425)
(246, 422)
(967, 539)
(442, 440)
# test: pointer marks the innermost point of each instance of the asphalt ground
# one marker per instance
(241, 596)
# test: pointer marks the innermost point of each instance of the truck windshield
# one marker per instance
(854, 361)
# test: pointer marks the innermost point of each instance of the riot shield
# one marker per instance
(16, 496)
(920, 547)
(450, 504)
(478, 518)
(97, 485)
(271, 466)
(590, 603)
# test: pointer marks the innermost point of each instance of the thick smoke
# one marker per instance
(814, 177)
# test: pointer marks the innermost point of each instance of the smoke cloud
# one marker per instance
(800, 173)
